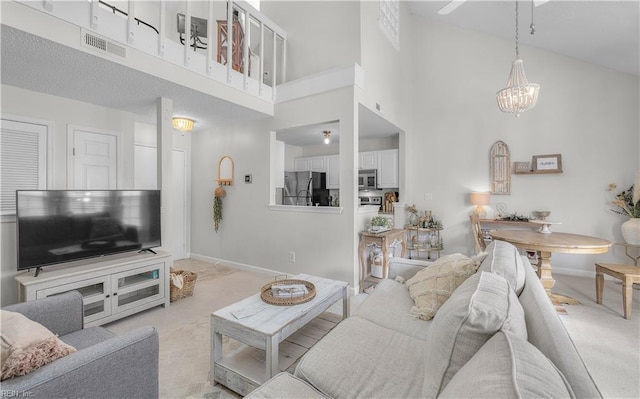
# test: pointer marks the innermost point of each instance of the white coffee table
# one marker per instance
(263, 326)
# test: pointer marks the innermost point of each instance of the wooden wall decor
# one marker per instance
(500, 164)
(225, 171)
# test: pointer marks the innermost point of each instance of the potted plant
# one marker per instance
(627, 203)
(379, 223)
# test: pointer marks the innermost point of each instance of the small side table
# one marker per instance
(627, 273)
(383, 240)
(626, 251)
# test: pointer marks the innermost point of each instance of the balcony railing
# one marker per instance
(191, 34)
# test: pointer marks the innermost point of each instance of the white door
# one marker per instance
(179, 205)
(94, 160)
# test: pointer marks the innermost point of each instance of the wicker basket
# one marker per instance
(188, 283)
(267, 296)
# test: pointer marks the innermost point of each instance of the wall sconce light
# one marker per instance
(182, 124)
(327, 139)
(479, 199)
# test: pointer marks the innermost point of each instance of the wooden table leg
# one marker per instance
(216, 351)
(627, 296)
(599, 285)
(363, 263)
(272, 356)
(546, 277)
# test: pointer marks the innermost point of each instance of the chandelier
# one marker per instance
(327, 136)
(519, 95)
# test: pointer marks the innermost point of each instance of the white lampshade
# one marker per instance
(477, 198)
(480, 199)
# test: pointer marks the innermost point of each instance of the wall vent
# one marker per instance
(95, 42)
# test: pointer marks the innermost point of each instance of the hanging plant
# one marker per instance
(217, 206)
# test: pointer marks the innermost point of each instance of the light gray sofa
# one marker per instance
(518, 345)
(105, 365)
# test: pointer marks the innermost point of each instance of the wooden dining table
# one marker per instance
(545, 245)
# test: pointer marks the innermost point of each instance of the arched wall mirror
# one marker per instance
(225, 171)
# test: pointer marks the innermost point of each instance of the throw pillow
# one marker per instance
(504, 259)
(508, 366)
(431, 287)
(26, 345)
(483, 305)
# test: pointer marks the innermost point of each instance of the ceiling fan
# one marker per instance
(453, 4)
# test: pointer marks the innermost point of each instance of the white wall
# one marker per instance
(252, 234)
(321, 34)
(61, 112)
(584, 112)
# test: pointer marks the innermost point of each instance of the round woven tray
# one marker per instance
(267, 296)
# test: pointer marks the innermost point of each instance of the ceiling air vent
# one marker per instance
(102, 45)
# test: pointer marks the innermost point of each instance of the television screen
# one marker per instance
(56, 226)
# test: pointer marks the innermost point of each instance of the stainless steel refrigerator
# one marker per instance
(305, 189)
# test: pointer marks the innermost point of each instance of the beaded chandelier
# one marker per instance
(519, 95)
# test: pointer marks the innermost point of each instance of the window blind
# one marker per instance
(23, 161)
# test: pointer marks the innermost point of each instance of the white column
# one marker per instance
(165, 168)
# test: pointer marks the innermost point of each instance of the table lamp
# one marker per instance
(479, 199)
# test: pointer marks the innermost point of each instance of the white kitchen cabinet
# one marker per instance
(318, 164)
(388, 168)
(333, 171)
(301, 164)
(314, 164)
(368, 160)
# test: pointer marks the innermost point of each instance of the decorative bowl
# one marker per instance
(541, 215)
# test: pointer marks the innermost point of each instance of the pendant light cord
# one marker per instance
(532, 26)
(517, 51)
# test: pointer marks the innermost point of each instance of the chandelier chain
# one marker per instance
(517, 51)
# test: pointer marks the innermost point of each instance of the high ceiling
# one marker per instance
(604, 33)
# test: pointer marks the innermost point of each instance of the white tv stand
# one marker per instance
(112, 287)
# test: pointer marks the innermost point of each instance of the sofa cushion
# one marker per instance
(87, 337)
(547, 333)
(27, 345)
(431, 287)
(285, 386)
(389, 306)
(481, 306)
(360, 358)
(504, 259)
(508, 366)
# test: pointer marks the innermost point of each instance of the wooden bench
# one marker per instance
(628, 275)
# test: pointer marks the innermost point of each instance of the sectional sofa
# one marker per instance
(497, 336)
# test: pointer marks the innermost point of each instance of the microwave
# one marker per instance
(367, 179)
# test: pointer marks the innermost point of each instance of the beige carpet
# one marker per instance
(609, 344)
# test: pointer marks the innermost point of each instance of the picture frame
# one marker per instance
(551, 163)
(521, 167)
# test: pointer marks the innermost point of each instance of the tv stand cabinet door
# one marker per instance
(138, 287)
(96, 296)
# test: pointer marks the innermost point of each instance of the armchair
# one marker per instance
(105, 365)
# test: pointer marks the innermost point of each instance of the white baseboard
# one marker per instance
(251, 268)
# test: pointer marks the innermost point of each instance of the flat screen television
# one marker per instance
(57, 226)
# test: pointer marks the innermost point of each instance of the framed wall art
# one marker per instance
(551, 163)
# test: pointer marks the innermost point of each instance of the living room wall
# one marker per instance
(62, 112)
(586, 113)
(251, 233)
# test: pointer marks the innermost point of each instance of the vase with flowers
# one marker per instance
(627, 203)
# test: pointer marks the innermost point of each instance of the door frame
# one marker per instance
(70, 145)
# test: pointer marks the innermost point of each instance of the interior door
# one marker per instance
(94, 160)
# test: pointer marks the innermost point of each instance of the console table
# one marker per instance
(112, 287)
(383, 240)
